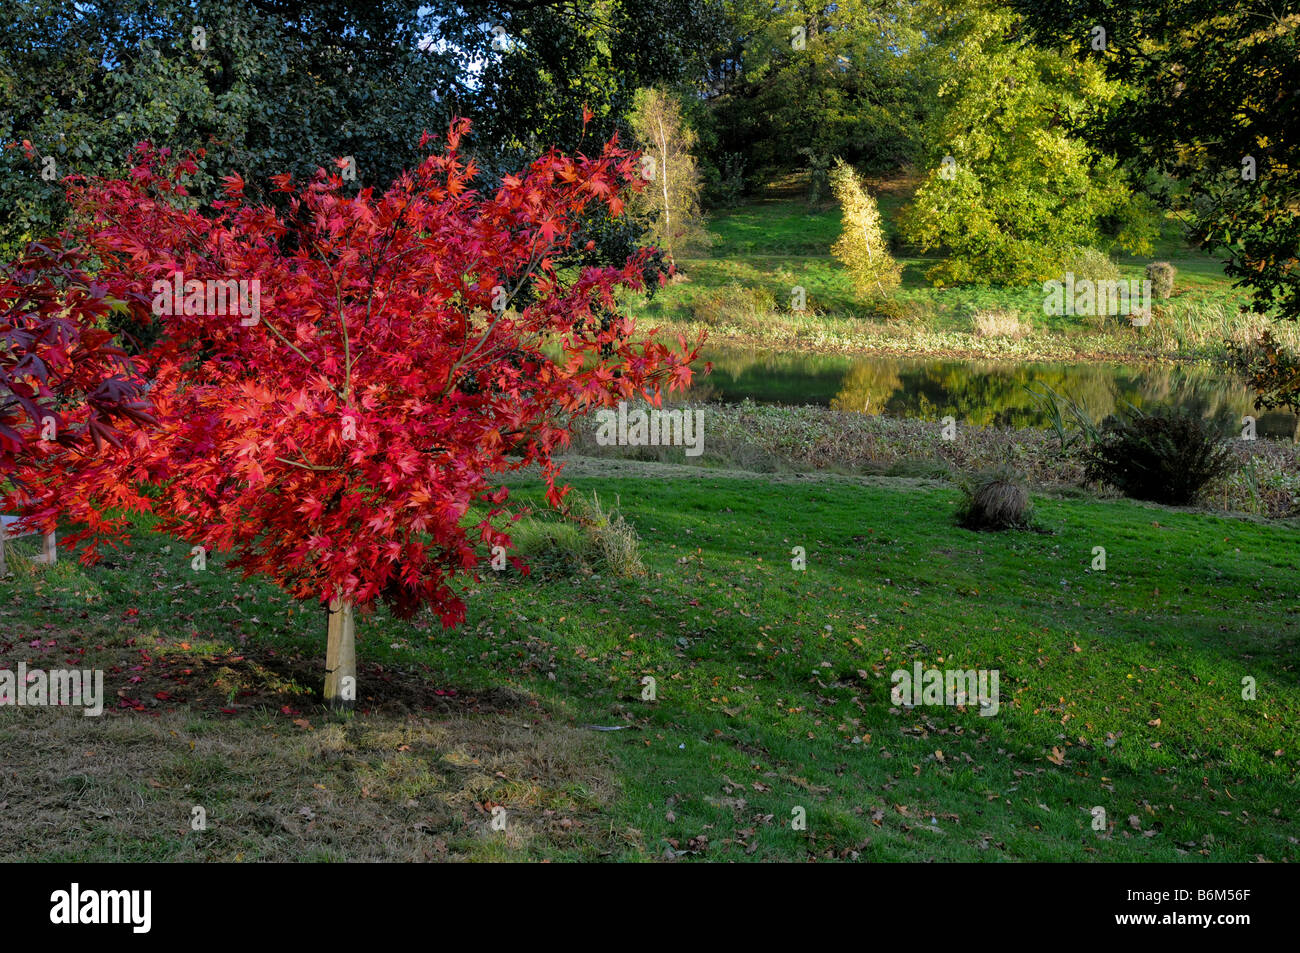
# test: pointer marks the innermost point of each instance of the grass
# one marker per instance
(1120, 689)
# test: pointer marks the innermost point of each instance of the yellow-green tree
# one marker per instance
(862, 246)
(1012, 187)
(669, 206)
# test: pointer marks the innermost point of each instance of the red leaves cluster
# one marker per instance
(338, 444)
(62, 377)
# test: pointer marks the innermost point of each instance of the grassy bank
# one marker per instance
(739, 290)
(1119, 689)
(1264, 479)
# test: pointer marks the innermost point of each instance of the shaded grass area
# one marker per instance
(126, 789)
(1119, 689)
(198, 714)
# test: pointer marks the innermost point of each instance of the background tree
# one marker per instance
(272, 86)
(336, 440)
(802, 82)
(1009, 189)
(530, 67)
(1211, 84)
(265, 87)
(670, 204)
(862, 246)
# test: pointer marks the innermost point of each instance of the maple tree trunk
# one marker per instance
(341, 656)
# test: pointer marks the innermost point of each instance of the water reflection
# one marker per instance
(982, 393)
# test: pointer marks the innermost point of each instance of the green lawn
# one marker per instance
(1119, 689)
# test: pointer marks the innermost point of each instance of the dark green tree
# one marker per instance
(270, 86)
(803, 82)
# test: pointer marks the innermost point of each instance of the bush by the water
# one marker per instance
(1161, 275)
(998, 323)
(1164, 457)
(996, 500)
(1090, 264)
(734, 304)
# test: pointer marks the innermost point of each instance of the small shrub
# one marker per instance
(613, 539)
(903, 311)
(1090, 264)
(1163, 457)
(996, 323)
(996, 500)
(1051, 404)
(724, 183)
(733, 304)
(553, 549)
(590, 538)
(1161, 275)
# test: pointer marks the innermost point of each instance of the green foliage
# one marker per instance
(1010, 189)
(551, 548)
(263, 89)
(289, 87)
(1212, 105)
(862, 246)
(1090, 264)
(591, 538)
(1165, 457)
(1051, 403)
(724, 181)
(802, 83)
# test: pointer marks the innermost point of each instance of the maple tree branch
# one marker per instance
(533, 260)
(343, 323)
(307, 466)
(291, 347)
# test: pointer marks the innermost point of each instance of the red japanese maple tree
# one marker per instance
(389, 358)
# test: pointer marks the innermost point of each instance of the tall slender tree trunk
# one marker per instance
(341, 657)
(663, 174)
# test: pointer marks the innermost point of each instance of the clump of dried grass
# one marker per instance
(997, 500)
(996, 323)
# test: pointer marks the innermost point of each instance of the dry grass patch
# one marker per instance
(385, 788)
(414, 775)
(997, 323)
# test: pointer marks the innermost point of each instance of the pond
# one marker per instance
(979, 393)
